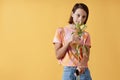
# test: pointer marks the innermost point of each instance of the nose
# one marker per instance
(80, 20)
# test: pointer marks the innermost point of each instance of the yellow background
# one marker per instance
(27, 29)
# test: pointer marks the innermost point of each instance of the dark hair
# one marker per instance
(82, 6)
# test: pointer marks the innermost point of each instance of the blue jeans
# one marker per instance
(68, 74)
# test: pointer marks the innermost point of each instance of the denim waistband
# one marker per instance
(69, 71)
(70, 66)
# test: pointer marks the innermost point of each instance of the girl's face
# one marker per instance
(79, 16)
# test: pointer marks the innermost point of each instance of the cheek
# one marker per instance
(84, 19)
(74, 19)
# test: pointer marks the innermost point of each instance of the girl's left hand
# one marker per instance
(81, 69)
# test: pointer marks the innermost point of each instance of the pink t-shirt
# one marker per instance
(63, 34)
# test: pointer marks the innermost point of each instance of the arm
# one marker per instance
(88, 46)
(85, 59)
(81, 67)
(60, 50)
(86, 56)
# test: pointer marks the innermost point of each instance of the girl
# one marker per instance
(64, 41)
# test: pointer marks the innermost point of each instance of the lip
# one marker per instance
(79, 22)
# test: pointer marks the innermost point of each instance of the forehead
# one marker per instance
(80, 11)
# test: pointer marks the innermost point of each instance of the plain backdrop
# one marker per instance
(27, 28)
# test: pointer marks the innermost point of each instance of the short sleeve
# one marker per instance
(57, 38)
(88, 41)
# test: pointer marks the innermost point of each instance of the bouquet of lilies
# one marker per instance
(78, 33)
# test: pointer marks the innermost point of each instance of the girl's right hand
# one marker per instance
(75, 40)
(69, 40)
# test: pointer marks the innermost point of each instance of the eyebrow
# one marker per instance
(80, 14)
